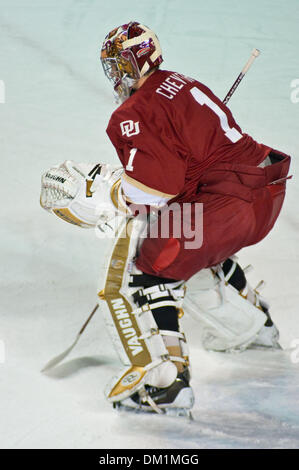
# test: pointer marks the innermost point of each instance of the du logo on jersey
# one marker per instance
(129, 128)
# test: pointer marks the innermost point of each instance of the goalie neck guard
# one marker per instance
(128, 53)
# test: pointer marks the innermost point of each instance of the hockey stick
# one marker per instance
(255, 53)
(56, 360)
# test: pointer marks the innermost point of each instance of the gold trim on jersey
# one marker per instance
(145, 188)
(116, 197)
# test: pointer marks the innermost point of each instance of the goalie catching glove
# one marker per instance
(84, 194)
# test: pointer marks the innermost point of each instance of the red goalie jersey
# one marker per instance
(178, 142)
(170, 132)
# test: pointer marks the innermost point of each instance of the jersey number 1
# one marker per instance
(129, 166)
(230, 132)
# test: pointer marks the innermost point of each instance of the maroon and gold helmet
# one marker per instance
(128, 53)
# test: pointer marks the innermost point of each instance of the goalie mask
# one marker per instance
(128, 53)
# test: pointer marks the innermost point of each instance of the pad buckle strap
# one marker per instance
(176, 334)
(164, 303)
(150, 333)
(259, 287)
(231, 271)
(244, 292)
(148, 307)
(157, 362)
(145, 397)
(171, 288)
(154, 289)
(183, 360)
(178, 294)
(158, 295)
(141, 310)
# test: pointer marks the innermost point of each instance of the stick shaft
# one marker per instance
(255, 53)
(57, 359)
(88, 319)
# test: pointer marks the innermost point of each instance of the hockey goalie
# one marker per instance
(181, 149)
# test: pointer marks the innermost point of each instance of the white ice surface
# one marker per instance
(57, 107)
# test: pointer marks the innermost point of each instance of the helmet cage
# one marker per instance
(122, 70)
(119, 66)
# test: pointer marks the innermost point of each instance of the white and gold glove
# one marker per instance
(84, 194)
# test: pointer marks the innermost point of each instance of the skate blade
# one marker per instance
(260, 347)
(179, 412)
(171, 412)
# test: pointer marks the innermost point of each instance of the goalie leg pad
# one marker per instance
(268, 336)
(136, 334)
(229, 321)
(117, 310)
(157, 389)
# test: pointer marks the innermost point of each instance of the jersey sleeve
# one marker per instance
(154, 169)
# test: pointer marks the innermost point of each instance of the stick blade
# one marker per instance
(57, 359)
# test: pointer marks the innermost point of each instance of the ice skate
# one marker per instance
(267, 338)
(175, 400)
